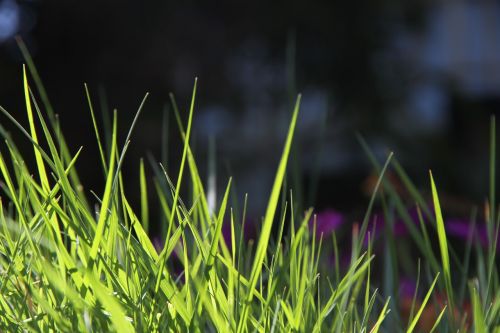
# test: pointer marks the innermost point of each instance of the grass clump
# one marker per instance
(68, 263)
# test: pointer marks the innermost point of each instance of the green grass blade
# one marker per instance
(381, 317)
(39, 160)
(106, 201)
(438, 319)
(443, 243)
(268, 220)
(110, 303)
(144, 197)
(477, 313)
(218, 229)
(181, 168)
(422, 306)
(96, 130)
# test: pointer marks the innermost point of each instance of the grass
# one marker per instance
(68, 263)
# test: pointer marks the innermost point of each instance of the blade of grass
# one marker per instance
(49, 109)
(163, 255)
(402, 210)
(438, 320)
(443, 244)
(144, 197)
(477, 312)
(39, 160)
(422, 306)
(117, 313)
(268, 221)
(96, 130)
(106, 201)
(181, 169)
(381, 317)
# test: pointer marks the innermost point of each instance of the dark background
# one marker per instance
(420, 78)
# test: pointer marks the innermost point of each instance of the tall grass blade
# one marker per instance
(477, 312)
(262, 244)
(443, 244)
(106, 200)
(422, 306)
(144, 197)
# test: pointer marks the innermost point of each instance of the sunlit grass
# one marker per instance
(68, 263)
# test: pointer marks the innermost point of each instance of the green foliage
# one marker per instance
(70, 265)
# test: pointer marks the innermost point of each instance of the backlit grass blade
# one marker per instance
(268, 220)
(415, 295)
(438, 319)
(39, 160)
(75, 200)
(366, 218)
(198, 187)
(218, 228)
(65, 155)
(173, 213)
(121, 157)
(181, 168)
(422, 306)
(36, 77)
(144, 197)
(381, 317)
(477, 312)
(139, 230)
(106, 200)
(10, 185)
(187, 272)
(96, 130)
(289, 315)
(355, 271)
(28, 136)
(443, 242)
(117, 314)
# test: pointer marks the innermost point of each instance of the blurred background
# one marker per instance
(420, 78)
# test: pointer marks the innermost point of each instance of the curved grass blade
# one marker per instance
(144, 197)
(106, 200)
(96, 130)
(39, 160)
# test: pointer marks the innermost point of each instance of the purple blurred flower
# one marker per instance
(249, 232)
(327, 221)
(461, 228)
(399, 229)
(407, 287)
(455, 227)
